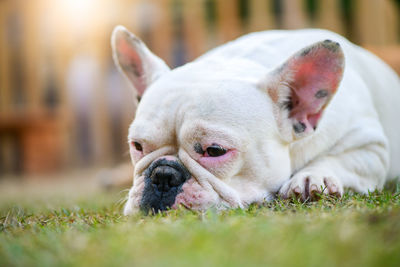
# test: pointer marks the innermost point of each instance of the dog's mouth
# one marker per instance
(167, 184)
(163, 181)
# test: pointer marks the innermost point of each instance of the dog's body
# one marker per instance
(272, 112)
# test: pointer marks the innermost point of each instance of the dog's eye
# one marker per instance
(215, 151)
(138, 146)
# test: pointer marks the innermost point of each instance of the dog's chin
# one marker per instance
(191, 196)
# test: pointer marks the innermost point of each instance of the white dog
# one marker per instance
(294, 113)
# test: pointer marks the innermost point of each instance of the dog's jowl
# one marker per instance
(290, 113)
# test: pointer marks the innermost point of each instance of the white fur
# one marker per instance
(220, 97)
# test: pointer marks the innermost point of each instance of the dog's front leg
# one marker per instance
(362, 169)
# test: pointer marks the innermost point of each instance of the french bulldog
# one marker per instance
(300, 113)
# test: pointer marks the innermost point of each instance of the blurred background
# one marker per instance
(64, 106)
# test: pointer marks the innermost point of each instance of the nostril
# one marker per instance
(155, 180)
(165, 177)
(176, 180)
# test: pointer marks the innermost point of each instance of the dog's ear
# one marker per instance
(302, 87)
(135, 60)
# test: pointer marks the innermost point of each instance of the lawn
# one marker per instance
(90, 231)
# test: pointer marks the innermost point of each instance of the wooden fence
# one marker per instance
(62, 103)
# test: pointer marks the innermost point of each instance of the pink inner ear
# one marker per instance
(131, 64)
(317, 72)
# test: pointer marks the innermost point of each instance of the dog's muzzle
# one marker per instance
(163, 182)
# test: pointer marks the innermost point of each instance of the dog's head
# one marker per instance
(209, 134)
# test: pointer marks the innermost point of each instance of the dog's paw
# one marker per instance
(306, 186)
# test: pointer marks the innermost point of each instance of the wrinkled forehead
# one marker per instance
(171, 103)
(156, 115)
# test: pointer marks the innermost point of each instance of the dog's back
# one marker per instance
(271, 48)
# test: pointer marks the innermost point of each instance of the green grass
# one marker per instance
(353, 231)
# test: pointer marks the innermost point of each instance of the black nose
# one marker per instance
(163, 182)
(166, 177)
